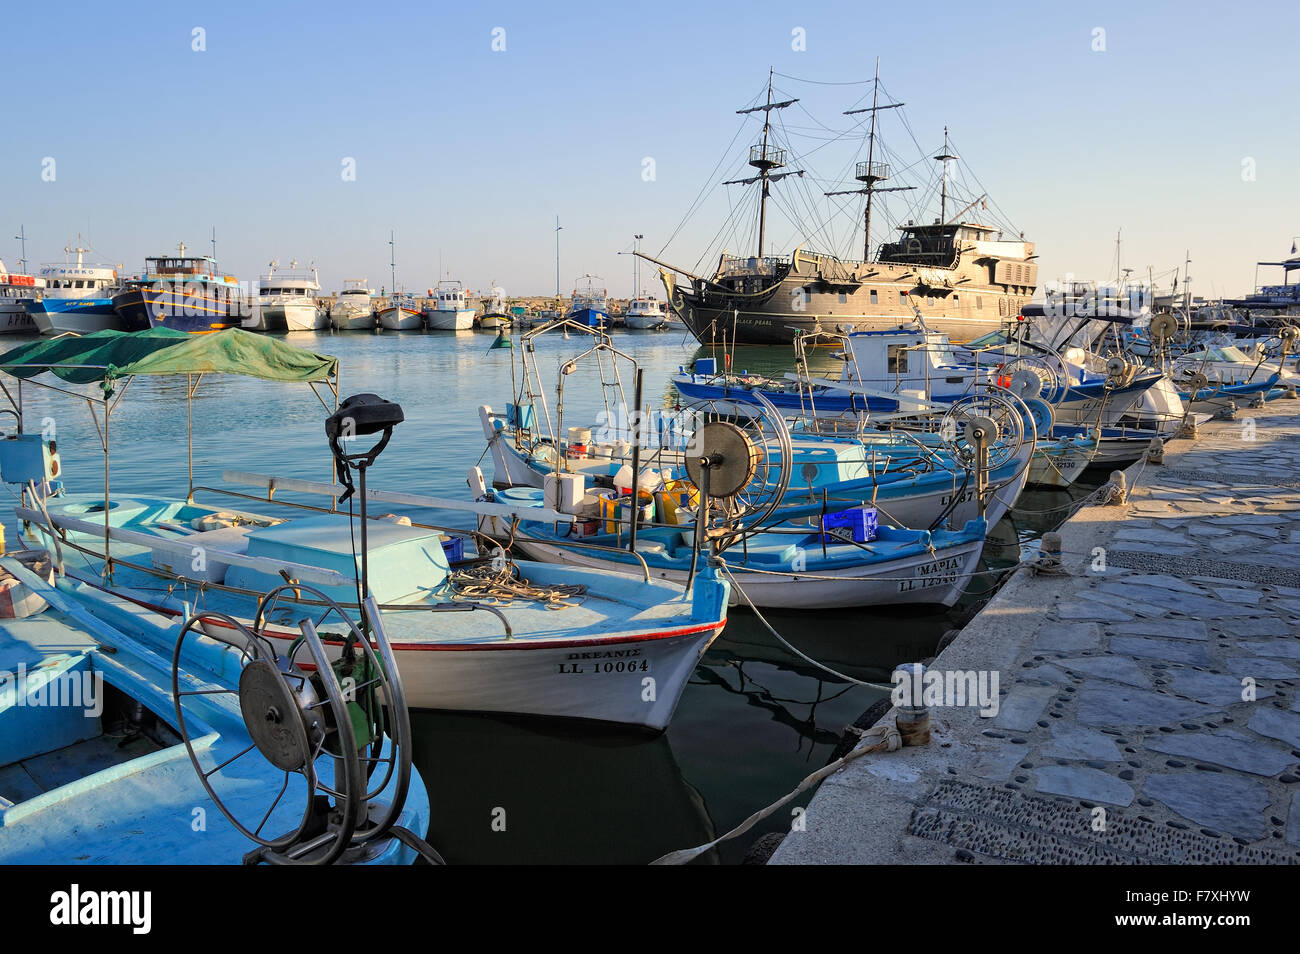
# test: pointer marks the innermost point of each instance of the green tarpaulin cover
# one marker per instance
(108, 355)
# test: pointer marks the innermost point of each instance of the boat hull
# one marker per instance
(927, 579)
(353, 321)
(150, 307)
(83, 316)
(438, 319)
(400, 319)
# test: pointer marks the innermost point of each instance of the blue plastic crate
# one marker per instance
(454, 549)
(858, 524)
(706, 366)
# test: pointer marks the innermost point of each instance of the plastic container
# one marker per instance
(563, 492)
(706, 366)
(858, 524)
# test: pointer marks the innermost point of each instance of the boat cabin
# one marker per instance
(904, 360)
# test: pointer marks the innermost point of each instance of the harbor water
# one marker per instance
(754, 719)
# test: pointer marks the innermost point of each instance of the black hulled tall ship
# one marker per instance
(963, 277)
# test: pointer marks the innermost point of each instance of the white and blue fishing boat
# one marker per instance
(126, 736)
(786, 565)
(77, 297)
(487, 634)
(914, 477)
(590, 303)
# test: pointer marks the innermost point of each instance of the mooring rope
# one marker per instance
(784, 642)
(887, 739)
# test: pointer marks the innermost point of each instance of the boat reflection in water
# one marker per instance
(515, 790)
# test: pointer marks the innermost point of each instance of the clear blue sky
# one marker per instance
(470, 154)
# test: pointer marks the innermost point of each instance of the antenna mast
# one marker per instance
(558, 227)
(22, 237)
(392, 261)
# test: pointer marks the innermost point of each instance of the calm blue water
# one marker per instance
(753, 721)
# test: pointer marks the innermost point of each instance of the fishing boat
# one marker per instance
(493, 635)
(77, 297)
(965, 275)
(286, 300)
(15, 289)
(645, 313)
(401, 313)
(496, 314)
(783, 566)
(184, 293)
(126, 737)
(353, 309)
(446, 308)
(590, 302)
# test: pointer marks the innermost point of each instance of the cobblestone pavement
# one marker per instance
(1148, 696)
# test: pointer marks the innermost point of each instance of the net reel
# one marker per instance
(741, 467)
(1162, 329)
(984, 422)
(305, 711)
(1119, 371)
(1038, 376)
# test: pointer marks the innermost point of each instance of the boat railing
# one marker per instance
(741, 266)
(482, 508)
(291, 572)
(182, 546)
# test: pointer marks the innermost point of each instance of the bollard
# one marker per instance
(1156, 451)
(913, 719)
(1228, 412)
(1290, 393)
(1117, 489)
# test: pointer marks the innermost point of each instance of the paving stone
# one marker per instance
(1047, 673)
(1260, 668)
(1293, 820)
(996, 764)
(1263, 626)
(1163, 581)
(1130, 602)
(1154, 647)
(1244, 597)
(1075, 742)
(1111, 704)
(1227, 748)
(1023, 707)
(1217, 800)
(1277, 648)
(1115, 668)
(1170, 628)
(1080, 781)
(1213, 688)
(1276, 724)
(1068, 637)
(1092, 611)
(1126, 535)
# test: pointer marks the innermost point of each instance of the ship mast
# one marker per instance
(871, 172)
(943, 194)
(765, 158)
